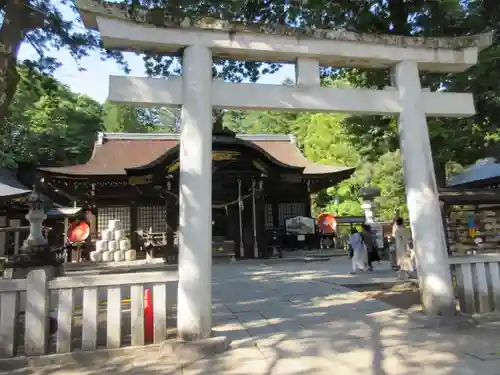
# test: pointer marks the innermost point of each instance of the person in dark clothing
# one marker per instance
(371, 245)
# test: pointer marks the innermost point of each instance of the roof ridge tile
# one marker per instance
(107, 136)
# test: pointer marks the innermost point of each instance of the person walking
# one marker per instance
(401, 242)
(371, 245)
(358, 252)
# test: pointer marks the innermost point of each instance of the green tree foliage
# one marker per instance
(166, 119)
(387, 174)
(48, 123)
(52, 126)
(453, 140)
(45, 25)
(255, 122)
(135, 119)
(324, 138)
(122, 118)
(41, 24)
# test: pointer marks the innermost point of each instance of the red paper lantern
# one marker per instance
(326, 223)
(78, 231)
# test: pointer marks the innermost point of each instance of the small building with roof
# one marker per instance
(10, 187)
(258, 182)
(472, 206)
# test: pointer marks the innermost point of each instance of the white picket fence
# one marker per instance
(477, 282)
(90, 302)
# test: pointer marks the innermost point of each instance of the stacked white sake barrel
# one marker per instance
(113, 246)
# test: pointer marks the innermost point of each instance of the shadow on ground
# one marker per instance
(296, 320)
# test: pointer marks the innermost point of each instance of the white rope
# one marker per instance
(222, 205)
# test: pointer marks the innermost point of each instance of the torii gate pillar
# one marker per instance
(194, 305)
(421, 193)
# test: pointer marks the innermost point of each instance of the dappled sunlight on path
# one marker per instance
(296, 319)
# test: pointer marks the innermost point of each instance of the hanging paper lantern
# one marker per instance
(78, 231)
(326, 223)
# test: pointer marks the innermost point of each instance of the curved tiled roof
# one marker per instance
(10, 186)
(116, 152)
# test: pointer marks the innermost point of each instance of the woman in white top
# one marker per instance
(401, 240)
(405, 256)
(359, 251)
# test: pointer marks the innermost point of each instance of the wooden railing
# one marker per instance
(477, 282)
(39, 315)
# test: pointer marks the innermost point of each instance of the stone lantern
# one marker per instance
(35, 216)
(368, 194)
(35, 252)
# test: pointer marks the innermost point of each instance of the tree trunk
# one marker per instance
(218, 121)
(399, 17)
(11, 37)
(18, 19)
(440, 171)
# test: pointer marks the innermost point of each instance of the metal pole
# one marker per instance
(240, 209)
(255, 247)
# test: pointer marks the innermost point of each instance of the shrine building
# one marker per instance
(258, 182)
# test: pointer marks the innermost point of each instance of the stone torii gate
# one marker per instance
(198, 42)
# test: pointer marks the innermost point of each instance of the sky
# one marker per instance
(94, 80)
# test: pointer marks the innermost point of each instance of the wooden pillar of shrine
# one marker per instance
(91, 215)
(3, 235)
(92, 218)
(275, 208)
(260, 220)
(307, 199)
(172, 211)
(240, 246)
(134, 222)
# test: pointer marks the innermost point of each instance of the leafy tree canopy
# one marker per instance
(324, 138)
(49, 124)
(45, 26)
(453, 140)
(134, 119)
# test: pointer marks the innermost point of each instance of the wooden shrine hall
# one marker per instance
(258, 181)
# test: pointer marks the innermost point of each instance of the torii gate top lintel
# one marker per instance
(277, 42)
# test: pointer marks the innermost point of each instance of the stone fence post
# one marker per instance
(37, 312)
